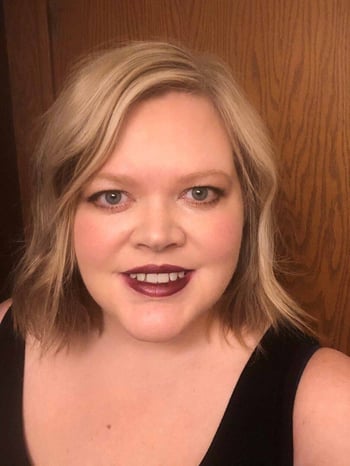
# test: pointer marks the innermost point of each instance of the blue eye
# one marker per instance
(112, 197)
(200, 193)
(203, 195)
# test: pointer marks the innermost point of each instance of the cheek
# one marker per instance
(224, 236)
(92, 239)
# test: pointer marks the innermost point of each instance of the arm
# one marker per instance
(322, 411)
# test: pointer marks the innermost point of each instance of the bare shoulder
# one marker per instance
(322, 411)
(4, 306)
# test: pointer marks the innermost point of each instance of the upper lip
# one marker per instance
(153, 268)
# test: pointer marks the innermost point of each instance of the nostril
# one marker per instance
(159, 231)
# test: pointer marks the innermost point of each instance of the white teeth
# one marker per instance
(163, 277)
(157, 277)
(138, 276)
(151, 278)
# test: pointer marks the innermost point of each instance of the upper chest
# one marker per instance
(75, 418)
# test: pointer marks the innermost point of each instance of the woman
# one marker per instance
(153, 329)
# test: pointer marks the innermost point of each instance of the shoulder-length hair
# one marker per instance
(81, 128)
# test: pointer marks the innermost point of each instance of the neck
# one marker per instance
(117, 349)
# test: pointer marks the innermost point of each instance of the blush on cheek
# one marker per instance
(225, 236)
(90, 241)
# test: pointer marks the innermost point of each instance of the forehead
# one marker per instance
(177, 131)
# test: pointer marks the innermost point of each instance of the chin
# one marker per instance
(160, 333)
(156, 328)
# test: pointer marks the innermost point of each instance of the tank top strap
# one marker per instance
(12, 443)
(257, 427)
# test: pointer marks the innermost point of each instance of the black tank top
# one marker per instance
(256, 428)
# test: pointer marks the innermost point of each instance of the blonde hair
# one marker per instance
(80, 131)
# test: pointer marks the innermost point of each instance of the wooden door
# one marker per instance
(292, 57)
(10, 206)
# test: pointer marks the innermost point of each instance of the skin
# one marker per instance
(159, 158)
(322, 411)
(153, 350)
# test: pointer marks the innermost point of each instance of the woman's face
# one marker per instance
(158, 231)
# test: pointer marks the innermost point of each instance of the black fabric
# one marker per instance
(256, 429)
(12, 444)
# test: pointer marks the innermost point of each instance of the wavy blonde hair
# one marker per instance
(80, 130)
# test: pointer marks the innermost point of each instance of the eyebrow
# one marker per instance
(186, 178)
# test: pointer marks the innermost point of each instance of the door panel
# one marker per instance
(293, 60)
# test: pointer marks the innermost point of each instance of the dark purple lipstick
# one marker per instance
(157, 281)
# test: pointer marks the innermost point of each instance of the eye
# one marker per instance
(109, 199)
(112, 197)
(200, 193)
(203, 194)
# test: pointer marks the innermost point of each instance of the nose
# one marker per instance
(158, 228)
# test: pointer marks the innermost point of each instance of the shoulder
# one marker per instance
(4, 306)
(322, 411)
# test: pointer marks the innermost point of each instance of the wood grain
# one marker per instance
(292, 58)
(10, 207)
(30, 75)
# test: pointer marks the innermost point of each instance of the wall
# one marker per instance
(10, 207)
(292, 58)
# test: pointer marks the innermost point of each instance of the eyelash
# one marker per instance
(216, 194)
(96, 199)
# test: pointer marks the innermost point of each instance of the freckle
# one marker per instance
(108, 426)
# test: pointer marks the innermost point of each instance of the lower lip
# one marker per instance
(158, 290)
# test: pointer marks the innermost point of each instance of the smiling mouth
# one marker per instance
(158, 281)
(155, 278)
